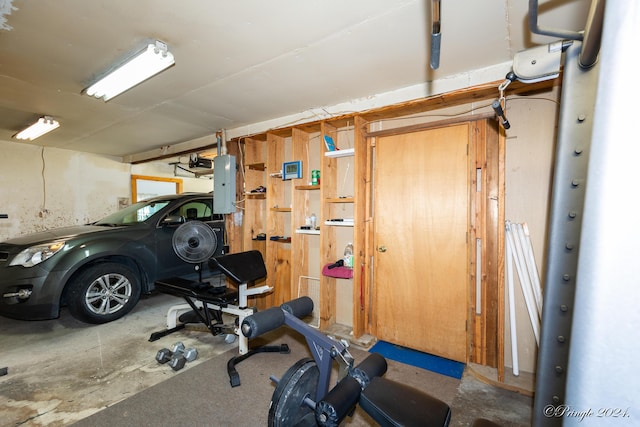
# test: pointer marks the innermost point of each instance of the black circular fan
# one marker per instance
(194, 242)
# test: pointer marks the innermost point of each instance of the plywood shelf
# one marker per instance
(281, 240)
(256, 195)
(256, 166)
(339, 200)
(307, 187)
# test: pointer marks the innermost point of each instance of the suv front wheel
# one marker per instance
(103, 292)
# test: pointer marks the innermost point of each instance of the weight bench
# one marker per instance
(302, 396)
(205, 303)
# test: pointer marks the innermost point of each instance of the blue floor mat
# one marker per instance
(440, 365)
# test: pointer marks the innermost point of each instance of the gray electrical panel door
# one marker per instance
(224, 184)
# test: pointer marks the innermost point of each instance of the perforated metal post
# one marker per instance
(568, 195)
(603, 381)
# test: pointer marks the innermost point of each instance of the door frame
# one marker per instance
(485, 329)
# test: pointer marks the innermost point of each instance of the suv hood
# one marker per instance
(63, 233)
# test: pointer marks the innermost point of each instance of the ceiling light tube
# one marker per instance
(43, 125)
(149, 62)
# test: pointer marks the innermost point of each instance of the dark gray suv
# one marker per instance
(100, 270)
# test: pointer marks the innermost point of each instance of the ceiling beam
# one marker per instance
(168, 151)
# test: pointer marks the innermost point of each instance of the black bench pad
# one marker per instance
(393, 404)
(242, 267)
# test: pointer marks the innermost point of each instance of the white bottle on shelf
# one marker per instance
(348, 255)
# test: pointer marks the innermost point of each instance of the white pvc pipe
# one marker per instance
(533, 314)
(512, 306)
(531, 265)
(527, 287)
(520, 240)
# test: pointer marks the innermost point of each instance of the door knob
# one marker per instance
(382, 249)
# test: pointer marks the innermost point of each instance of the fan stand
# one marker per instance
(198, 268)
(195, 242)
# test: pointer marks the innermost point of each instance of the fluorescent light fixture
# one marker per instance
(43, 125)
(147, 63)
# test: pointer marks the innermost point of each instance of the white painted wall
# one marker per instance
(530, 149)
(41, 188)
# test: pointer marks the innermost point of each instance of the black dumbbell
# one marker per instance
(181, 356)
(164, 355)
(177, 356)
(177, 362)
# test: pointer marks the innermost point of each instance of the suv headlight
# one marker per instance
(36, 254)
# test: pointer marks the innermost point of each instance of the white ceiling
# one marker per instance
(238, 62)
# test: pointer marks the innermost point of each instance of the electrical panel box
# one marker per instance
(224, 184)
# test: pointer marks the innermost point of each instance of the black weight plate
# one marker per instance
(287, 409)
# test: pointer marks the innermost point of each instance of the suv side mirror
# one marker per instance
(173, 220)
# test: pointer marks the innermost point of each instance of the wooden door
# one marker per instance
(421, 217)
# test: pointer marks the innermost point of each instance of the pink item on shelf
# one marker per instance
(338, 272)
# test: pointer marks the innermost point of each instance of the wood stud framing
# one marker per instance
(285, 264)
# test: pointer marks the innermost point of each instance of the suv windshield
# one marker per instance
(134, 214)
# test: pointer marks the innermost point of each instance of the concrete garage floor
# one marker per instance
(63, 370)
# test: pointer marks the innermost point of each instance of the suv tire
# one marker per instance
(103, 292)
